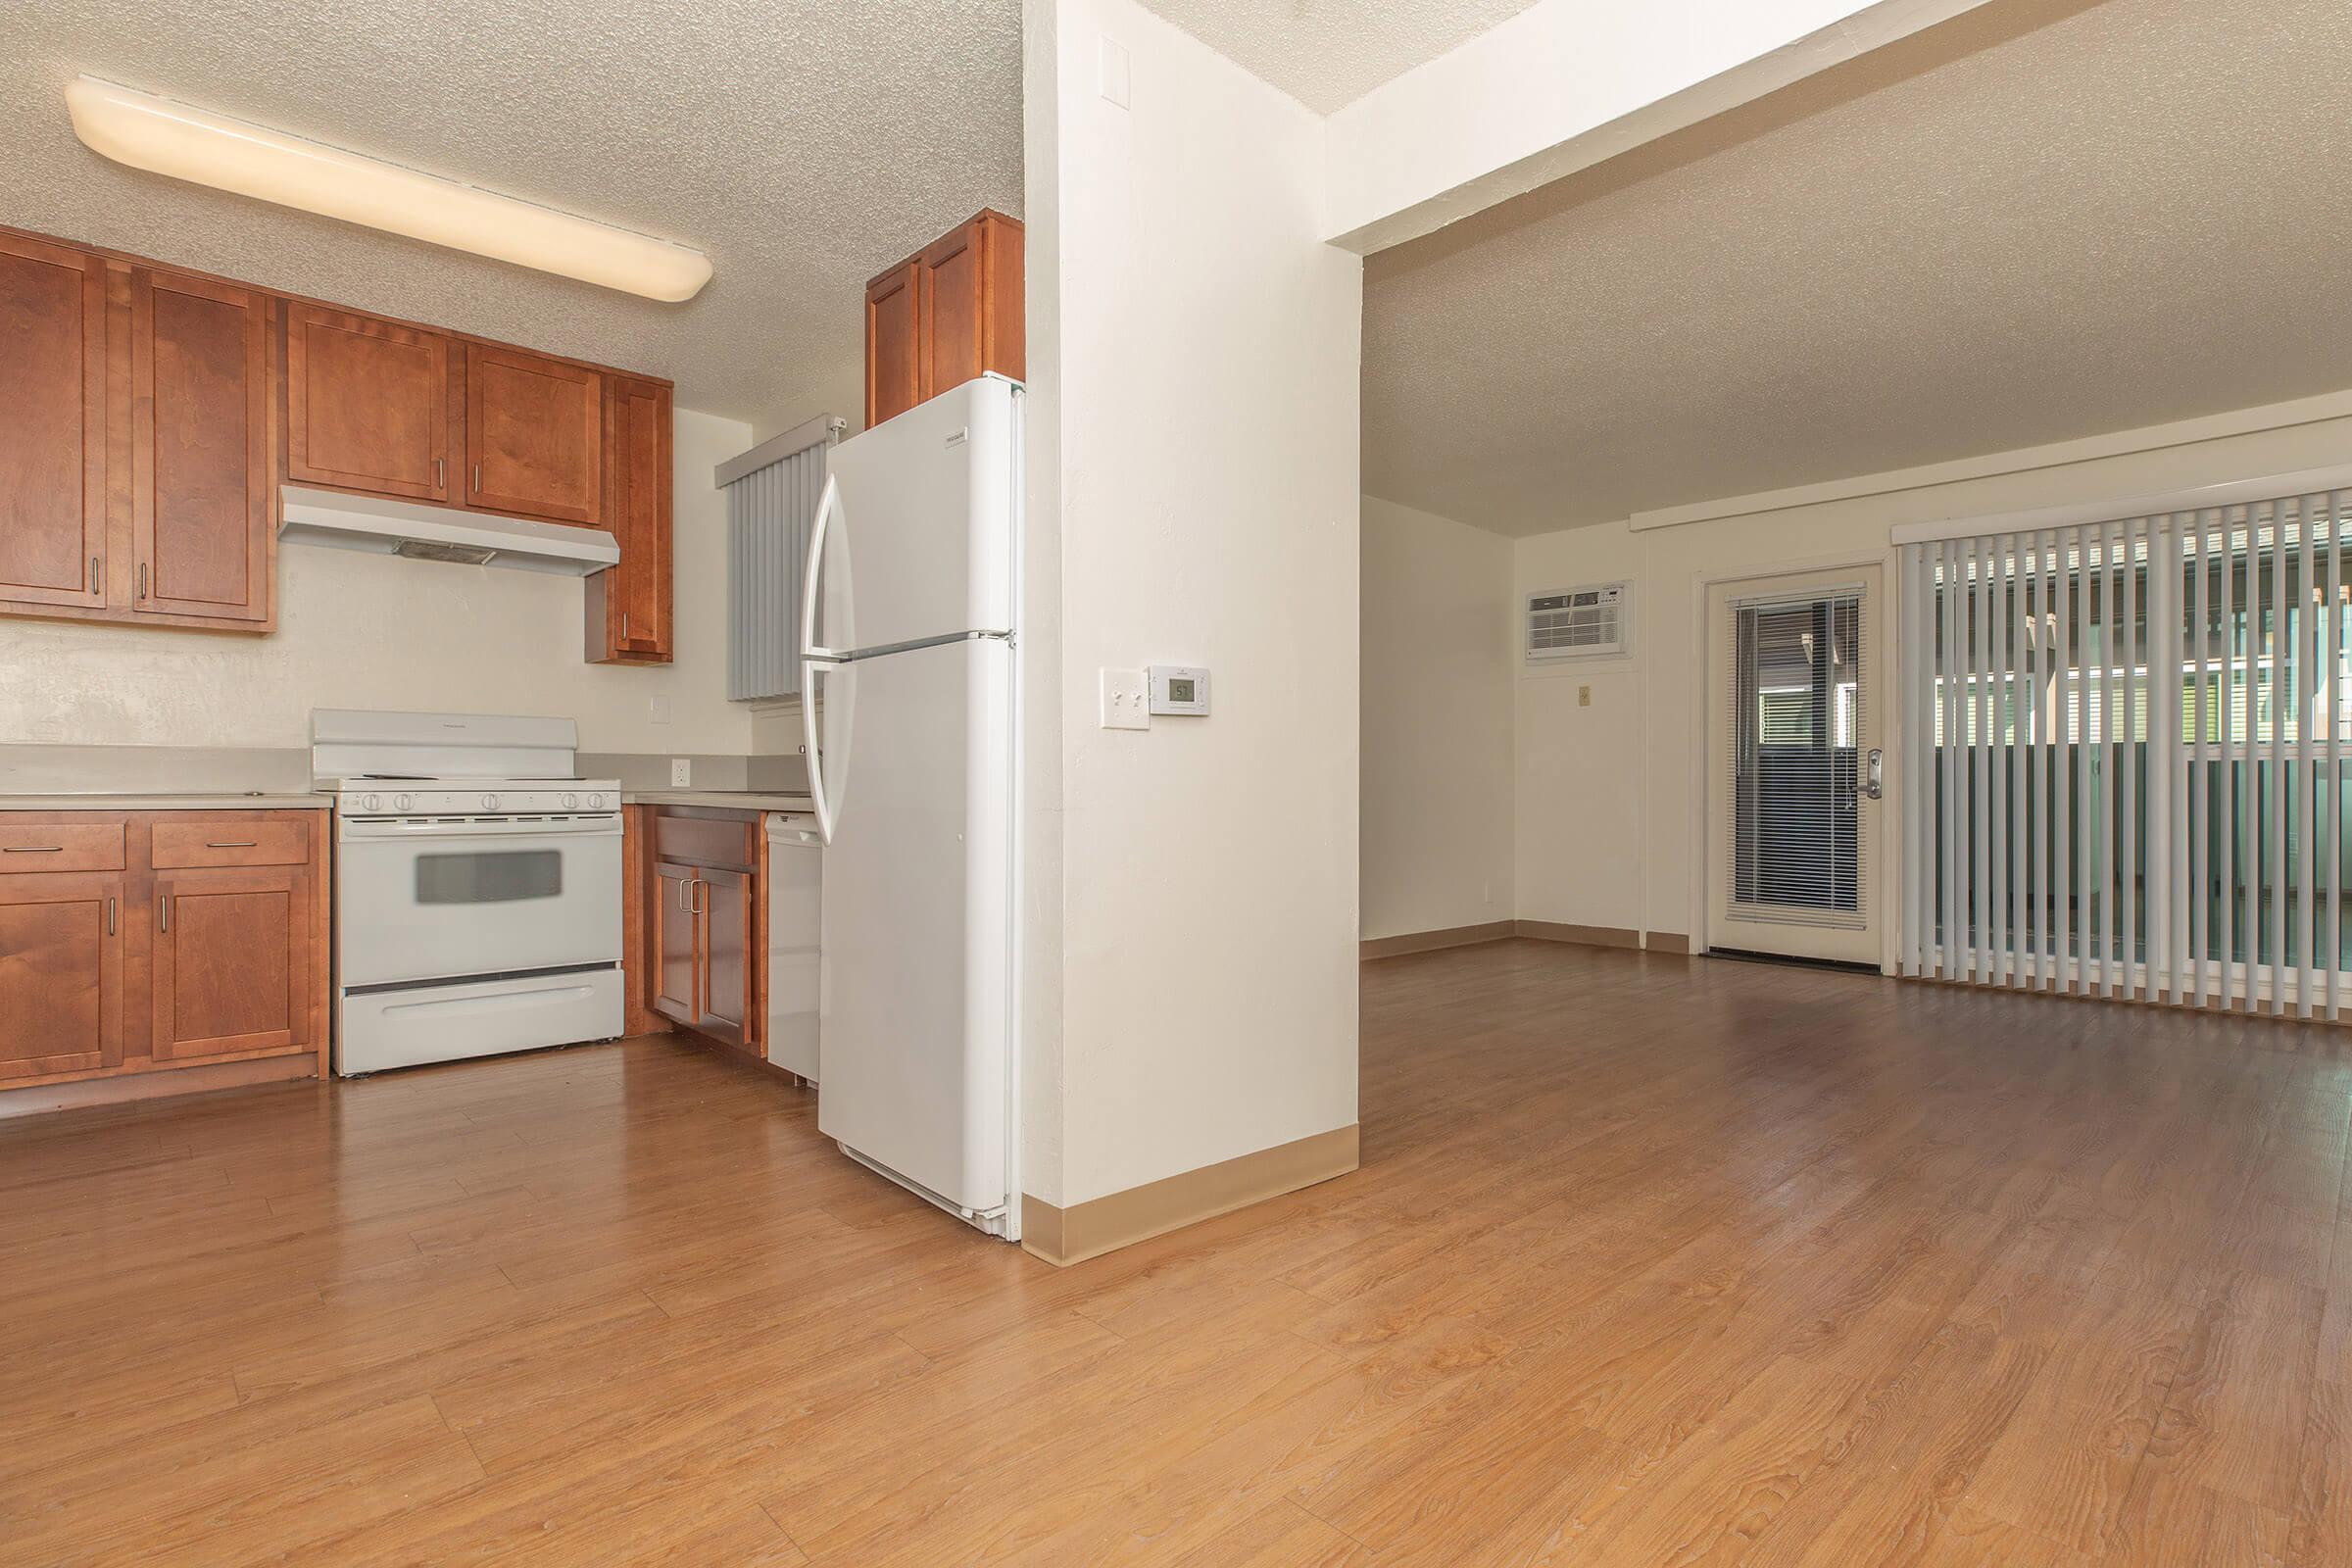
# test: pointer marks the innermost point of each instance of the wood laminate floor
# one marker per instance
(1649, 1261)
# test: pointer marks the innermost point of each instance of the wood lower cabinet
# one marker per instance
(161, 943)
(61, 973)
(534, 435)
(232, 960)
(705, 924)
(367, 403)
(948, 313)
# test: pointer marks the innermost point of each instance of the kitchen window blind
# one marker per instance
(2124, 750)
(772, 493)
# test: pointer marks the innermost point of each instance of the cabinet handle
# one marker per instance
(30, 848)
(478, 479)
(440, 474)
(700, 906)
(625, 625)
(163, 908)
(95, 581)
(142, 579)
(230, 844)
(110, 915)
(680, 900)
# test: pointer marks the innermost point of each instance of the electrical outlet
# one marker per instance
(681, 773)
(1126, 700)
(658, 708)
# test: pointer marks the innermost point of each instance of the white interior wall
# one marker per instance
(1197, 491)
(1610, 829)
(376, 631)
(1438, 689)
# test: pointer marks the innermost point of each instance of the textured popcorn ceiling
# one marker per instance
(1329, 53)
(804, 146)
(2038, 222)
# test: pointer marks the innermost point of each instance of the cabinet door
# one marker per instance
(724, 901)
(970, 304)
(53, 435)
(534, 435)
(629, 605)
(199, 483)
(892, 357)
(677, 953)
(232, 961)
(61, 973)
(367, 404)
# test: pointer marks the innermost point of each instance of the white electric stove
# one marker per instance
(477, 886)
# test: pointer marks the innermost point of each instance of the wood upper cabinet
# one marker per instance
(201, 497)
(60, 971)
(534, 435)
(367, 403)
(232, 960)
(893, 350)
(973, 318)
(948, 313)
(629, 605)
(53, 433)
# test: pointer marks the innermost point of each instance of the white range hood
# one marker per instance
(385, 527)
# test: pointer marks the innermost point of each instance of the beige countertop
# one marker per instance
(735, 800)
(100, 801)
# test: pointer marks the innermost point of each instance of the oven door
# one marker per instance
(438, 899)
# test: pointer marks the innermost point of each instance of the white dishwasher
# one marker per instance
(794, 882)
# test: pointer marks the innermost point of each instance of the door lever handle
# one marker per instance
(1874, 774)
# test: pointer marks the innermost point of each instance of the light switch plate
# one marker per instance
(1126, 700)
(681, 773)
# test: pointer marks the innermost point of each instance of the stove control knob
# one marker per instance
(603, 801)
(401, 803)
(489, 803)
(571, 803)
(369, 802)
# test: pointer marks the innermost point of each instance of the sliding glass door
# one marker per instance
(2125, 757)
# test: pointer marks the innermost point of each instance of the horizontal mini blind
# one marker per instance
(770, 510)
(2124, 757)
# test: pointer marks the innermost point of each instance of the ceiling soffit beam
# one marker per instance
(1568, 84)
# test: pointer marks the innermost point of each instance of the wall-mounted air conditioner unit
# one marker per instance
(1587, 622)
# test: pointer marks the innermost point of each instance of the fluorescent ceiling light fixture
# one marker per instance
(188, 143)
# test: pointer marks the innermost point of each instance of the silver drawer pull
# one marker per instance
(232, 844)
(31, 849)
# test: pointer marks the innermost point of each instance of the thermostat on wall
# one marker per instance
(1179, 689)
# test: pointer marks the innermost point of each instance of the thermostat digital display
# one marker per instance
(1179, 689)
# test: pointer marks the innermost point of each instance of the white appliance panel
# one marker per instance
(429, 900)
(795, 858)
(922, 543)
(918, 925)
(378, 1030)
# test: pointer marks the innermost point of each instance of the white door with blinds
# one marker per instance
(2124, 749)
(1794, 767)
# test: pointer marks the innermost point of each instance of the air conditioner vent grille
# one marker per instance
(1586, 623)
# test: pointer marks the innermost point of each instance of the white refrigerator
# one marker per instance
(910, 691)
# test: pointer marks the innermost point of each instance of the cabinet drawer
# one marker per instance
(260, 841)
(703, 841)
(61, 847)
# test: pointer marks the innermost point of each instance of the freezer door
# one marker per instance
(921, 543)
(916, 948)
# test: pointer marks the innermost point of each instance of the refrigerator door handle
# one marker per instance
(820, 800)
(828, 504)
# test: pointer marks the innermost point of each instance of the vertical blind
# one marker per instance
(1796, 692)
(769, 511)
(2124, 750)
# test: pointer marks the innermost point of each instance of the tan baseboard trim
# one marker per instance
(156, 1084)
(1066, 1236)
(1603, 936)
(1591, 936)
(1460, 936)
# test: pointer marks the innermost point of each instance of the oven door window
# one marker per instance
(488, 876)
